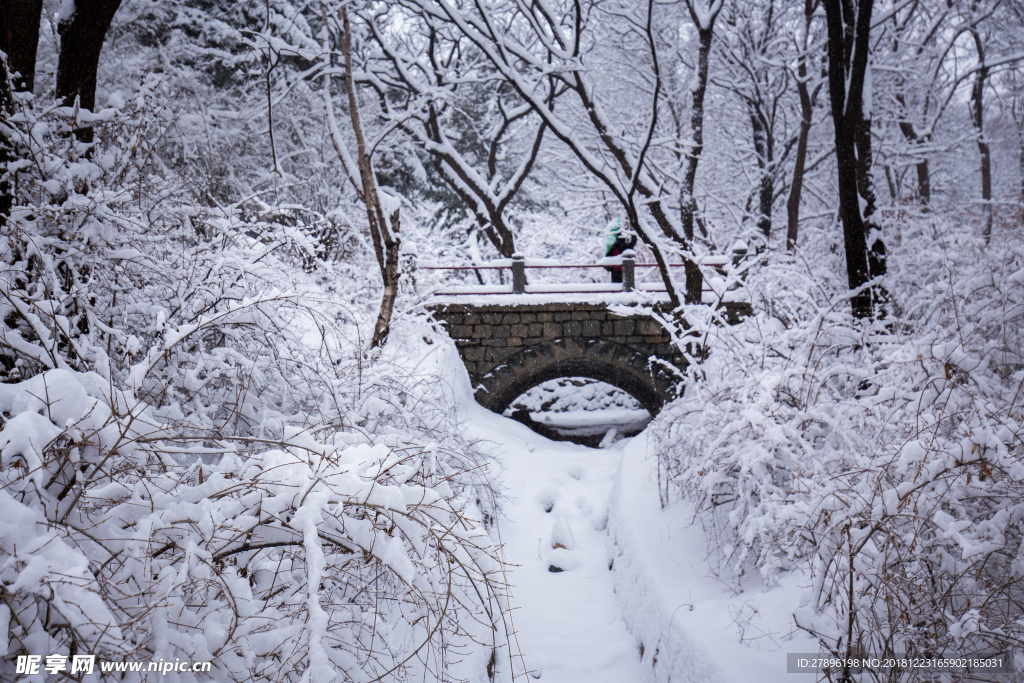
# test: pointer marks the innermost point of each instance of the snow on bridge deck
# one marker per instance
(512, 337)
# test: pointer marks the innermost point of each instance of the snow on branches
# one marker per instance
(349, 558)
(195, 463)
(884, 459)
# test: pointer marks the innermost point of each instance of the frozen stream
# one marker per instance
(567, 622)
(571, 625)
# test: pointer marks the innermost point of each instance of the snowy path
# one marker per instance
(567, 623)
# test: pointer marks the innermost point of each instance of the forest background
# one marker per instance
(220, 440)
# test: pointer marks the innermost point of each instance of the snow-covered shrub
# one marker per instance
(883, 458)
(197, 460)
(111, 264)
(336, 558)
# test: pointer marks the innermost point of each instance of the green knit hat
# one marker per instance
(611, 234)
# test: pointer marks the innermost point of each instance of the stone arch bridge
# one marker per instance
(509, 349)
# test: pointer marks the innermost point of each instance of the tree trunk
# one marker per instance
(19, 39)
(894, 192)
(384, 236)
(977, 118)
(877, 256)
(924, 181)
(806, 114)
(391, 275)
(6, 191)
(81, 41)
(1020, 143)
(764, 148)
(687, 203)
(849, 28)
(797, 187)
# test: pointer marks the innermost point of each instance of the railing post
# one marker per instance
(628, 270)
(518, 273)
(739, 255)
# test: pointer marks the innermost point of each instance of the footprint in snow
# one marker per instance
(547, 498)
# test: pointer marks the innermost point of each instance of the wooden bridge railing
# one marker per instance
(518, 265)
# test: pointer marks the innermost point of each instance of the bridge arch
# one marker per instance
(604, 360)
(509, 348)
(510, 344)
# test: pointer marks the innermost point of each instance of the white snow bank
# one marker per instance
(554, 515)
(689, 622)
(607, 417)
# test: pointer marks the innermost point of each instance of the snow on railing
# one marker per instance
(518, 265)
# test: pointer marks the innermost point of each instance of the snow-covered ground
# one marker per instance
(635, 600)
(567, 622)
(702, 627)
(593, 418)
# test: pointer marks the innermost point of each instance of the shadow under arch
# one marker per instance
(651, 384)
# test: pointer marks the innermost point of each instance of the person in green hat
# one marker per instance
(615, 244)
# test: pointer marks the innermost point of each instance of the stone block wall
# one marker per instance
(488, 335)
